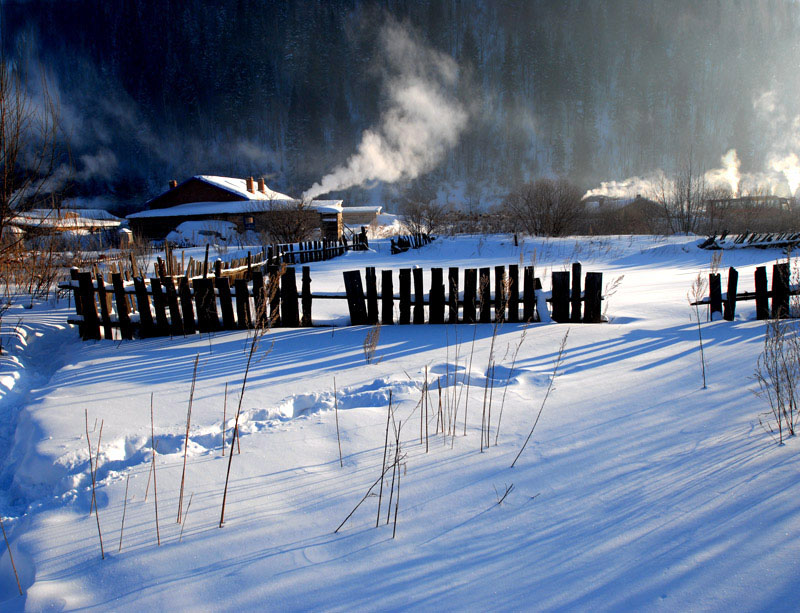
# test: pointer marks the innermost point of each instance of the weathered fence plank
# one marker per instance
(355, 297)
(146, 327)
(592, 298)
(160, 307)
(289, 313)
(715, 294)
(91, 322)
(405, 296)
(470, 287)
(499, 294)
(175, 319)
(121, 300)
(206, 305)
(513, 293)
(387, 298)
(529, 295)
(762, 300)
(104, 298)
(372, 296)
(560, 299)
(306, 299)
(419, 297)
(780, 290)
(225, 303)
(436, 297)
(243, 317)
(484, 291)
(730, 303)
(575, 301)
(187, 308)
(452, 295)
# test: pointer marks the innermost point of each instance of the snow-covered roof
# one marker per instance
(66, 218)
(363, 209)
(236, 207)
(239, 187)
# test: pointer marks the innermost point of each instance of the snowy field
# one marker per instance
(638, 490)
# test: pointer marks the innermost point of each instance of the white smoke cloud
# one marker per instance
(423, 119)
(729, 175)
(646, 186)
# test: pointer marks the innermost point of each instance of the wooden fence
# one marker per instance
(401, 244)
(760, 240)
(725, 304)
(165, 306)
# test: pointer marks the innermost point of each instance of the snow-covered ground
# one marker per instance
(637, 491)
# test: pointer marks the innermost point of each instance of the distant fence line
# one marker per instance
(165, 306)
(724, 305)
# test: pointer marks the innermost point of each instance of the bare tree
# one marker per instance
(425, 217)
(682, 197)
(285, 223)
(29, 146)
(545, 207)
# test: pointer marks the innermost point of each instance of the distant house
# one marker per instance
(96, 224)
(360, 215)
(248, 204)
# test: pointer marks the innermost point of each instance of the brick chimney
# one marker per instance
(173, 184)
(250, 185)
(262, 187)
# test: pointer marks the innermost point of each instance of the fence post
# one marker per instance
(575, 298)
(529, 296)
(436, 297)
(780, 290)
(513, 293)
(484, 290)
(225, 302)
(762, 300)
(405, 296)
(290, 317)
(206, 303)
(387, 298)
(121, 301)
(261, 316)
(452, 296)
(243, 318)
(160, 306)
(470, 286)
(499, 294)
(187, 309)
(105, 306)
(730, 303)
(355, 297)
(274, 294)
(176, 321)
(592, 313)
(715, 294)
(560, 297)
(372, 296)
(419, 297)
(91, 323)
(306, 299)
(143, 306)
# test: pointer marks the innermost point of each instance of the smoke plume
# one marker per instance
(422, 121)
(728, 176)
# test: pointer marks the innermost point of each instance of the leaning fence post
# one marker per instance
(143, 306)
(730, 302)
(121, 301)
(104, 299)
(715, 294)
(762, 300)
(187, 308)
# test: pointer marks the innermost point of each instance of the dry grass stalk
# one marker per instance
(369, 491)
(155, 483)
(556, 364)
(10, 556)
(124, 509)
(336, 412)
(186, 516)
(383, 464)
(94, 496)
(224, 417)
(469, 377)
(508, 379)
(695, 295)
(186, 439)
(397, 462)
(371, 342)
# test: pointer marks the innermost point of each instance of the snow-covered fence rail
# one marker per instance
(723, 305)
(476, 303)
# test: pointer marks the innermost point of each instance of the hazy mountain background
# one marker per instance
(151, 90)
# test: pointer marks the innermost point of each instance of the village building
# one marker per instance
(95, 226)
(250, 205)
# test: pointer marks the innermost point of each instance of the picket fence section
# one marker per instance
(269, 296)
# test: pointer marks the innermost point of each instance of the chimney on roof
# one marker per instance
(250, 185)
(173, 184)
(262, 187)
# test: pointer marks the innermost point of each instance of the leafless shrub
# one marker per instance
(545, 207)
(778, 376)
(611, 289)
(282, 223)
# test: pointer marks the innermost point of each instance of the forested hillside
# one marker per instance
(151, 90)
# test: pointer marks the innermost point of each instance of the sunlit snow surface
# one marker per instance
(638, 490)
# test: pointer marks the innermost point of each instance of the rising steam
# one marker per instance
(423, 119)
